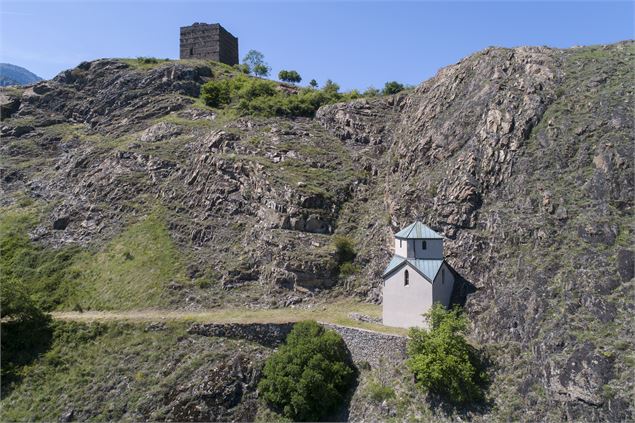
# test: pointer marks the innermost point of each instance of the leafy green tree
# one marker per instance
(255, 61)
(289, 76)
(308, 377)
(331, 87)
(313, 83)
(442, 360)
(392, 87)
(261, 70)
(253, 58)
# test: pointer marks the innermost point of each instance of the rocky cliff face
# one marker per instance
(521, 157)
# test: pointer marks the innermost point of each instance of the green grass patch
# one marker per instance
(131, 271)
(144, 63)
(41, 272)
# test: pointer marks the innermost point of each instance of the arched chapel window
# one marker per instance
(406, 278)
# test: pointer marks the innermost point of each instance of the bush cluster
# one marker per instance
(147, 60)
(256, 96)
(289, 76)
(392, 87)
(442, 360)
(344, 249)
(345, 255)
(308, 377)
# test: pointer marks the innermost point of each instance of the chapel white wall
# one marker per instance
(403, 306)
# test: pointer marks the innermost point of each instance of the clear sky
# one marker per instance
(357, 44)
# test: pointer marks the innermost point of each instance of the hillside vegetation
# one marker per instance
(122, 190)
(137, 372)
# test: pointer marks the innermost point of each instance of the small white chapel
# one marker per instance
(416, 277)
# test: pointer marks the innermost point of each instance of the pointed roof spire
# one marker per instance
(418, 230)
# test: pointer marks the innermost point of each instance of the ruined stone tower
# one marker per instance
(210, 42)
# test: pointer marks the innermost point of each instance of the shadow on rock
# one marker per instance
(462, 289)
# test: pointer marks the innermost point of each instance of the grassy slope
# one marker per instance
(114, 371)
(131, 271)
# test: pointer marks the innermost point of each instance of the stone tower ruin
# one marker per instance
(209, 42)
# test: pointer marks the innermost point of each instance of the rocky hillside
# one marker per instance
(521, 157)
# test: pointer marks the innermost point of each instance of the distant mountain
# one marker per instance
(16, 75)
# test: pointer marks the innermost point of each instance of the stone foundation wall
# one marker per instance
(364, 345)
(268, 334)
(370, 346)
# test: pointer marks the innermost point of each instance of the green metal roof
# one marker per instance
(417, 231)
(426, 267)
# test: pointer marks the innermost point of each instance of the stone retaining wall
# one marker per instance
(370, 346)
(364, 345)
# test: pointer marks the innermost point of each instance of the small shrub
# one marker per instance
(331, 87)
(308, 377)
(442, 360)
(392, 87)
(147, 60)
(204, 283)
(242, 68)
(363, 365)
(371, 92)
(432, 190)
(380, 393)
(344, 249)
(349, 269)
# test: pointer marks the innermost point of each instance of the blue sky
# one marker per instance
(357, 43)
